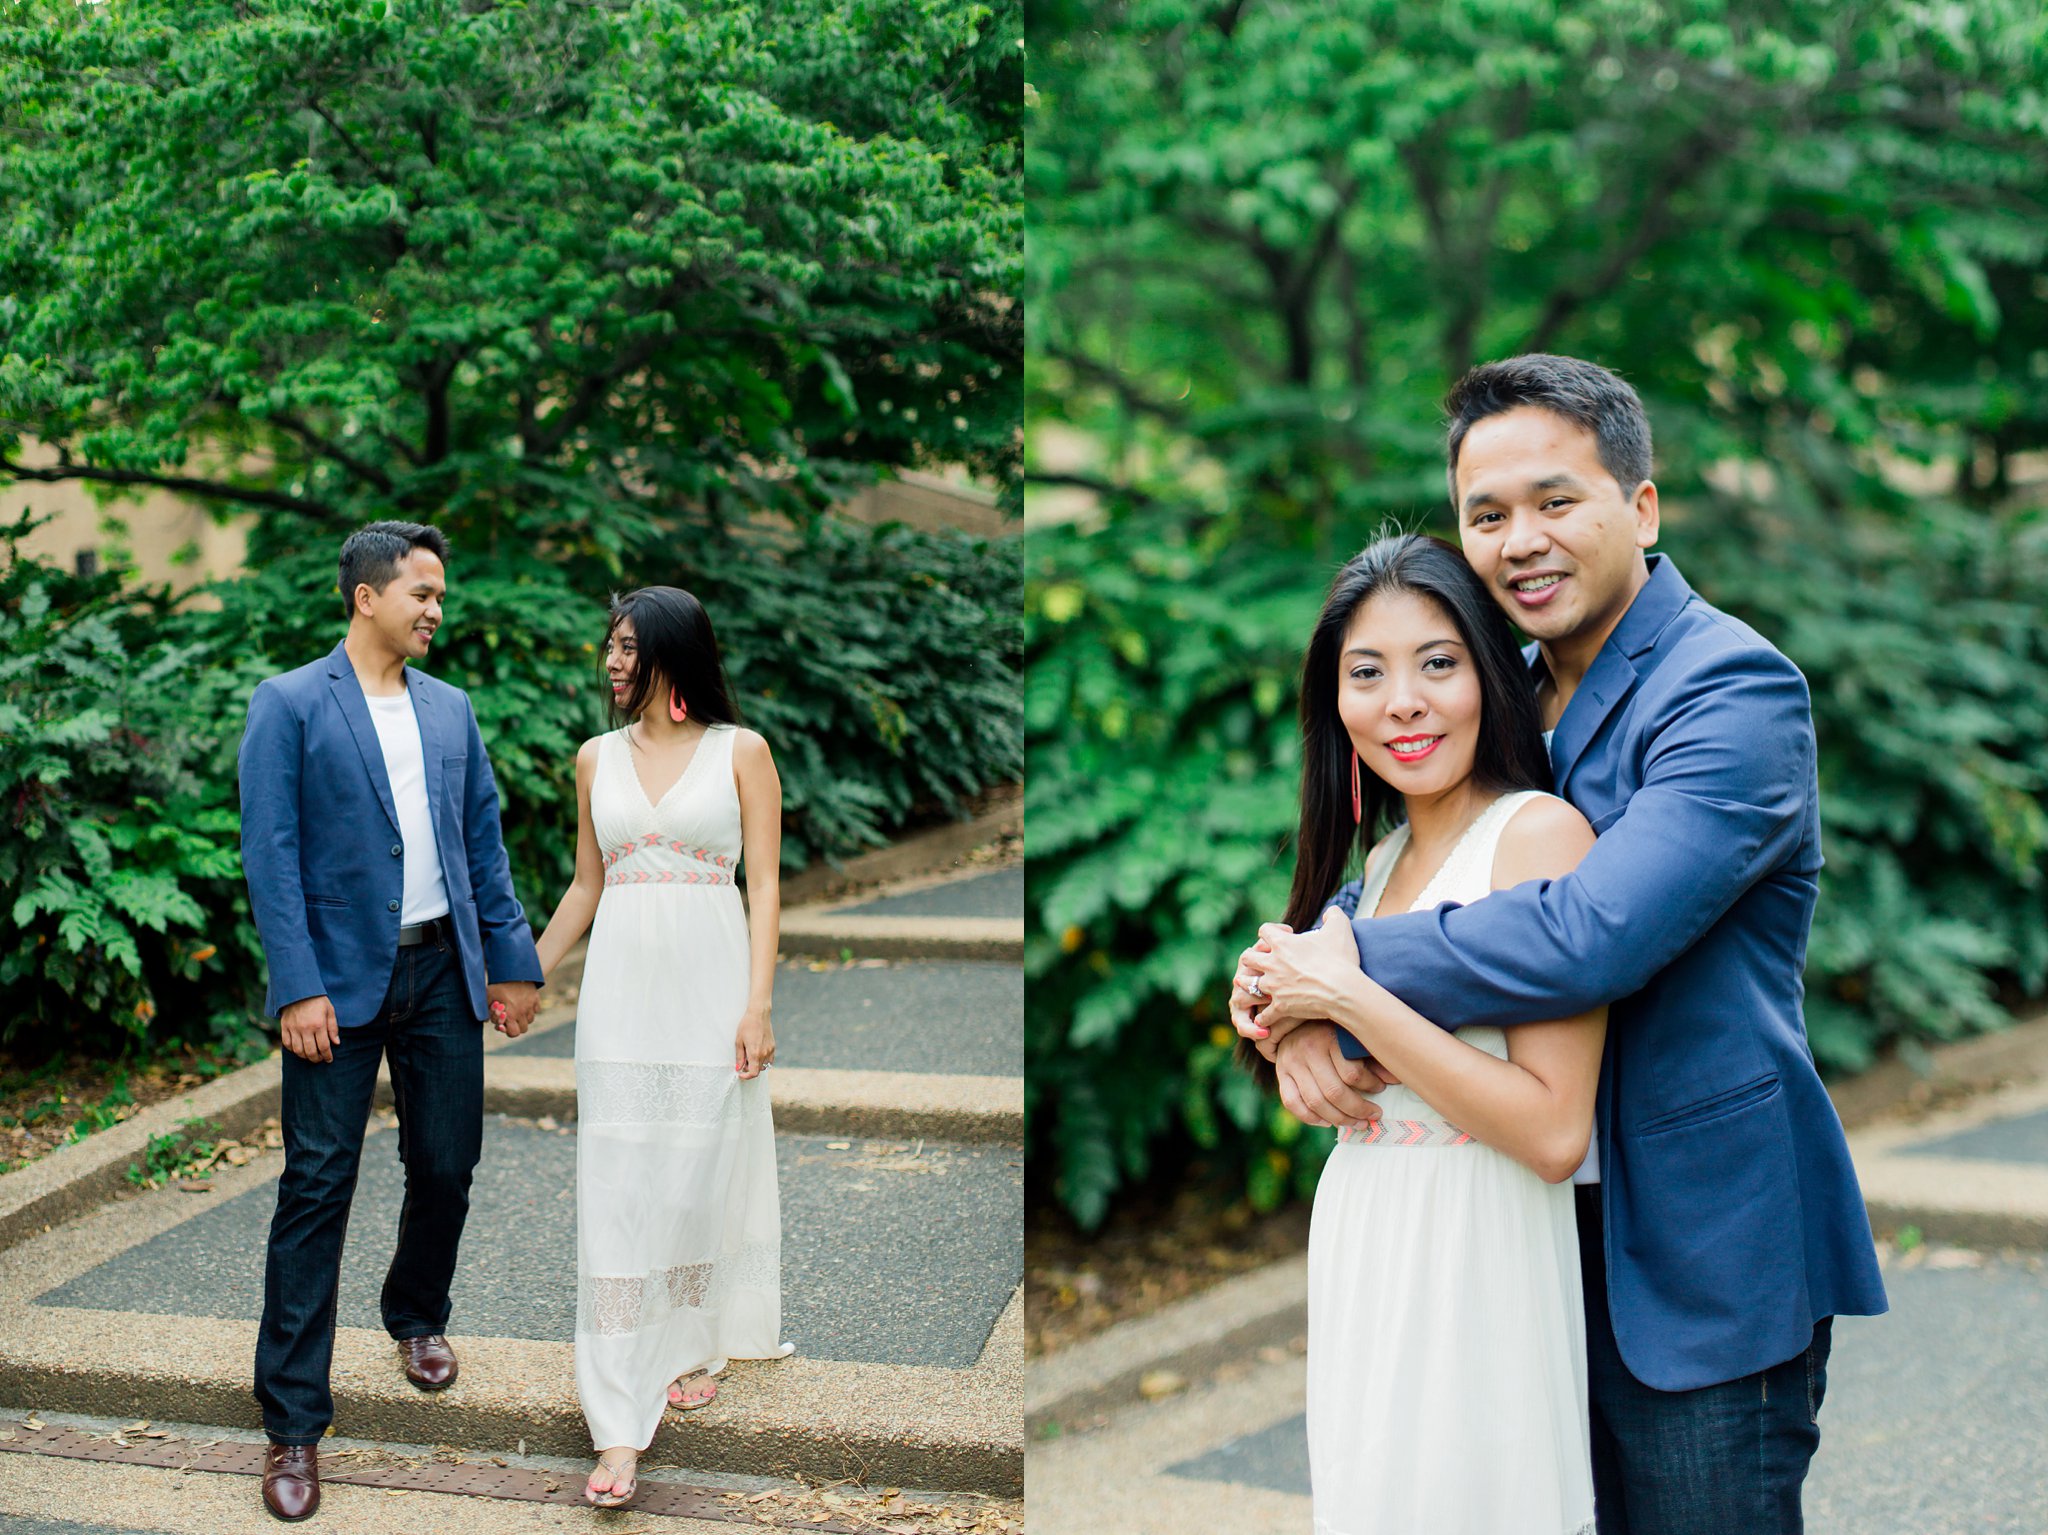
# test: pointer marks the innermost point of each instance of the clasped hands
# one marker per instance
(1287, 987)
(513, 1005)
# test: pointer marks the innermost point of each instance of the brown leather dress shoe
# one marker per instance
(291, 1481)
(429, 1361)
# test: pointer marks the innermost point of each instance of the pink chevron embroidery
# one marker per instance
(1418, 1132)
(1378, 1129)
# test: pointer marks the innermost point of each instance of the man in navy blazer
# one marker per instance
(378, 880)
(1721, 1227)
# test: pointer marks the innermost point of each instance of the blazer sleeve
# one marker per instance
(267, 773)
(1723, 801)
(509, 953)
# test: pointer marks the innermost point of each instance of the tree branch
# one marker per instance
(1128, 394)
(1698, 152)
(313, 105)
(333, 451)
(212, 489)
(1107, 489)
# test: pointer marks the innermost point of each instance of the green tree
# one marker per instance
(1265, 237)
(614, 293)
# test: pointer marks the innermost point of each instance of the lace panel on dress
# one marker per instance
(608, 1305)
(640, 1093)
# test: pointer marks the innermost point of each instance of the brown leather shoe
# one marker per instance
(429, 1361)
(291, 1481)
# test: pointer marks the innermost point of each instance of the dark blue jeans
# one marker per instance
(437, 1075)
(1722, 1460)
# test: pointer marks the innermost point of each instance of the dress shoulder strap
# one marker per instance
(1376, 882)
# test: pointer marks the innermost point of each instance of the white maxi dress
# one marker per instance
(678, 1220)
(1446, 1329)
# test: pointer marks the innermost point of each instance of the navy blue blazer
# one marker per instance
(1733, 1217)
(321, 848)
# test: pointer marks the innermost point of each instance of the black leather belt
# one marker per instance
(422, 932)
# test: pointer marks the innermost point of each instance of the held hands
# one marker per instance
(753, 1049)
(310, 1028)
(513, 1006)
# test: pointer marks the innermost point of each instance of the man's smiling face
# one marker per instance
(1545, 525)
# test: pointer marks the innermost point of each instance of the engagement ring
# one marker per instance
(1252, 986)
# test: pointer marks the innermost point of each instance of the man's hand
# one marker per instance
(513, 1004)
(310, 1028)
(1319, 1085)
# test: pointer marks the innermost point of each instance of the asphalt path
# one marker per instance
(899, 1253)
(998, 893)
(945, 1018)
(1935, 1420)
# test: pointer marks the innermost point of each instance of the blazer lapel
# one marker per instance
(430, 747)
(1605, 686)
(348, 694)
(1613, 671)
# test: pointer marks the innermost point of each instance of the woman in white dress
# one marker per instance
(678, 1225)
(1447, 1361)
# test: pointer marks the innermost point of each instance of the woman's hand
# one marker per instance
(754, 1047)
(1303, 976)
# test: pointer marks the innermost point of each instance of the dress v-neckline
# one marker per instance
(1408, 836)
(647, 799)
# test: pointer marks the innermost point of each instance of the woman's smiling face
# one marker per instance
(1408, 693)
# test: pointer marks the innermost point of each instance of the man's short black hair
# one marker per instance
(371, 555)
(1582, 392)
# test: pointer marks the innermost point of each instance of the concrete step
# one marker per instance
(901, 1291)
(976, 915)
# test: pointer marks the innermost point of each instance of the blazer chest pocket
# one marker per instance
(454, 770)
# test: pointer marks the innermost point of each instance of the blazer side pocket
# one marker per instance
(326, 900)
(1719, 1106)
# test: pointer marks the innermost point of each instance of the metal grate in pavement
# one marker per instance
(240, 1457)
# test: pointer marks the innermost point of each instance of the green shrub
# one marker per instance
(881, 664)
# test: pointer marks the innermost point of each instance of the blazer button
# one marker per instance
(391, 906)
(397, 849)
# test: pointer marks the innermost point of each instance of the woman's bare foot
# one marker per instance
(612, 1484)
(692, 1390)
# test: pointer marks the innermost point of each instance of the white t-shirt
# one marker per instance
(398, 732)
(1589, 1170)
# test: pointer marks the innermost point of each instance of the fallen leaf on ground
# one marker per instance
(1155, 1384)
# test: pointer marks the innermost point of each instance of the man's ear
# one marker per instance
(1646, 515)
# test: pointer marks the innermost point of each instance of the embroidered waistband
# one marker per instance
(1408, 1132)
(719, 872)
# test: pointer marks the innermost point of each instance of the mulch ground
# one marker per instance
(1147, 1256)
(68, 1098)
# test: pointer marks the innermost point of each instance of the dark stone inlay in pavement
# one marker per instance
(998, 893)
(949, 1018)
(1275, 1458)
(888, 1255)
(2022, 1138)
(28, 1524)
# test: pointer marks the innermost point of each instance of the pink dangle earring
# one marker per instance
(680, 711)
(1357, 799)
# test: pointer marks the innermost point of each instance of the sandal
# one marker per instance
(613, 1496)
(685, 1401)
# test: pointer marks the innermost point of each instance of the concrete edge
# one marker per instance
(1988, 1061)
(826, 933)
(912, 1426)
(942, 848)
(808, 1100)
(73, 1179)
(1267, 1306)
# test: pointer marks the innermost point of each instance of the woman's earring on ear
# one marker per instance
(680, 711)
(1357, 799)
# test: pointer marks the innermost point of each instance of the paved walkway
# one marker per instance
(1935, 1423)
(902, 1201)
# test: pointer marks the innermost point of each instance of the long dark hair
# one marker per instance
(1509, 754)
(673, 635)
